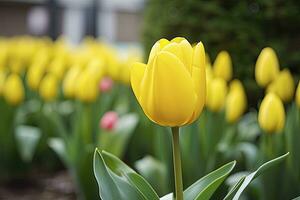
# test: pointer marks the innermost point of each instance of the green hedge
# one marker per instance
(241, 27)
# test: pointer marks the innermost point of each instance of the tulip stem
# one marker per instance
(177, 164)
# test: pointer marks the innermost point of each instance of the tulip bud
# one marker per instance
(222, 67)
(216, 94)
(48, 87)
(267, 67)
(70, 80)
(298, 95)
(109, 120)
(106, 84)
(13, 91)
(283, 86)
(236, 101)
(271, 116)
(34, 76)
(171, 87)
(87, 87)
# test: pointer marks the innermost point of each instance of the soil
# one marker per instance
(40, 186)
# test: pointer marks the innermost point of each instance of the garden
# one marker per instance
(208, 107)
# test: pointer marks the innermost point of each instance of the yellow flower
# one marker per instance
(222, 67)
(298, 95)
(216, 94)
(271, 116)
(126, 64)
(87, 89)
(48, 87)
(171, 87)
(236, 101)
(69, 82)
(13, 90)
(34, 76)
(267, 67)
(57, 67)
(283, 86)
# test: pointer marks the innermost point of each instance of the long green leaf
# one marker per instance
(241, 185)
(27, 138)
(127, 183)
(108, 189)
(204, 188)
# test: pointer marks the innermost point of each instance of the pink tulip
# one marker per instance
(109, 120)
(106, 84)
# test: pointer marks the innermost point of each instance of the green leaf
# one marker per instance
(108, 189)
(27, 138)
(118, 181)
(167, 197)
(116, 142)
(244, 181)
(59, 147)
(204, 188)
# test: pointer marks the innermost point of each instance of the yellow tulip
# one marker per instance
(34, 76)
(13, 90)
(171, 87)
(271, 116)
(69, 82)
(298, 95)
(236, 101)
(216, 94)
(222, 67)
(87, 89)
(57, 67)
(267, 67)
(48, 87)
(124, 73)
(283, 86)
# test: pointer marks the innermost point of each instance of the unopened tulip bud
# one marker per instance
(267, 67)
(48, 87)
(13, 91)
(216, 94)
(283, 86)
(109, 120)
(271, 116)
(222, 67)
(106, 84)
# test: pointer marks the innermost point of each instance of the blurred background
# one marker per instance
(243, 28)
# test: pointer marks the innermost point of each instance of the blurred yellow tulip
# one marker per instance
(171, 87)
(87, 89)
(57, 67)
(34, 76)
(236, 101)
(222, 67)
(298, 95)
(267, 67)
(48, 87)
(283, 86)
(216, 94)
(271, 116)
(13, 90)
(70, 81)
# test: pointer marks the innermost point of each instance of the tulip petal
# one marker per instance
(183, 50)
(199, 78)
(157, 47)
(168, 91)
(137, 74)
